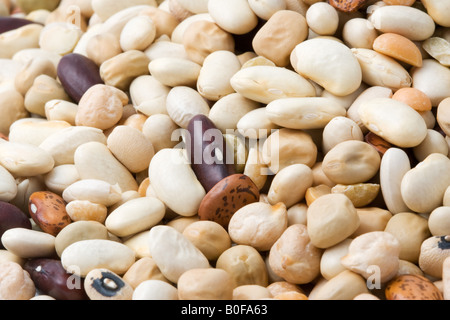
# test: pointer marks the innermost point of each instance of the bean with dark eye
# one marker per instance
(103, 284)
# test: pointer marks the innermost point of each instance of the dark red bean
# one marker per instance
(206, 148)
(12, 217)
(10, 23)
(77, 74)
(50, 278)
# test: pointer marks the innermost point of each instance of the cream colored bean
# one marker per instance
(101, 107)
(394, 121)
(255, 168)
(410, 230)
(107, 8)
(28, 244)
(331, 218)
(138, 34)
(322, 18)
(77, 231)
(365, 252)
(62, 145)
(149, 95)
(96, 191)
(16, 282)
(102, 47)
(286, 147)
(135, 216)
(31, 70)
(436, 9)
(44, 89)
(313, 60)
(8, 186)
(439, 49)
(183, 103)
(210, 237)
(434, 142)
(344, 286)
(442, 117)
(359, 33)
(122, 69)
(13, 109)
(35, 132)
(85, 255)
(446, 200)
(215, 75)
(158, 128)
(351, 162)
(267, 8)
(60, 37)
(205, 284)
(297, 214)
(245, 265)
(423, 187)
(255, 124)
(265, 84)
(279, 36)
(407, 21)
(165, 48)
(295, 246)
(84, 210)
(340, 129)
(290, 184)
(251, 292)
(330, 262)
(433, 79)
(381, 70)
(258, 225)
(142, 270)
(174, 72)
(304, 113)
(94, 161)
(25, 188)
(178, 32)
(155, 290)
(25, 55)
(61, 177)
(371, 219)
(61, 110)
(228, 110)
(25, 160)
(438, 221)
(138, 243)
(6, 256)
(235, 17)
(184, 197)
(131, 147)
(25, 37)
(446, 279)
(173, 253)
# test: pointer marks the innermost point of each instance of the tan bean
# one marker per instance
(174, 72)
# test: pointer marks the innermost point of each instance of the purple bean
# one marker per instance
(12, 217)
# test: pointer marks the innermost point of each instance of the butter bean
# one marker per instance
(344, 286)
(416, 184)
(163, 47)
(256, 124)
(27, 243)
(149, 102)
(364, 251)
(209, 284)
(138, 243)
(105, 9)
(94, 161)
(410, 129)
(83, 256)
(251, 292)
(8, 186)
(84, 210)
(13, 109)
(24, 37)
(265, 84)
(351, 162)
(102, 47)
(432, 79)
(155, 290)
(44, 88)
(138, 34)
(436, 9)
(184, 198)
(442, 117)
(52, 279)
(236, 17)
(277, 38)
(245, 265)
(208, 236)
(77, 74)
(62, 146)
(434, 142)
(330, 262)
(144, 269)
(304, 261)
(183, 103)
(25, 160)
(31, 70)
(134, 216)
(173, 253)
(313, 60)
(61, 110)
(16, 283)
(371, 219)
(445, 279)
(361, 194)
(268, 223)
(322, 18)
(304, 113)
(410, 22)
(158, 128)
(25, 188)
(174, 72)
(340, 129)
(438, 221)
(124, 141)
(359, 32)
(77, 231)
(60, 37)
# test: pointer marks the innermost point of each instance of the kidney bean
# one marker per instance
(204, 144)
(77, 74)
(52, 279)
(9, 23)
(12, 217)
